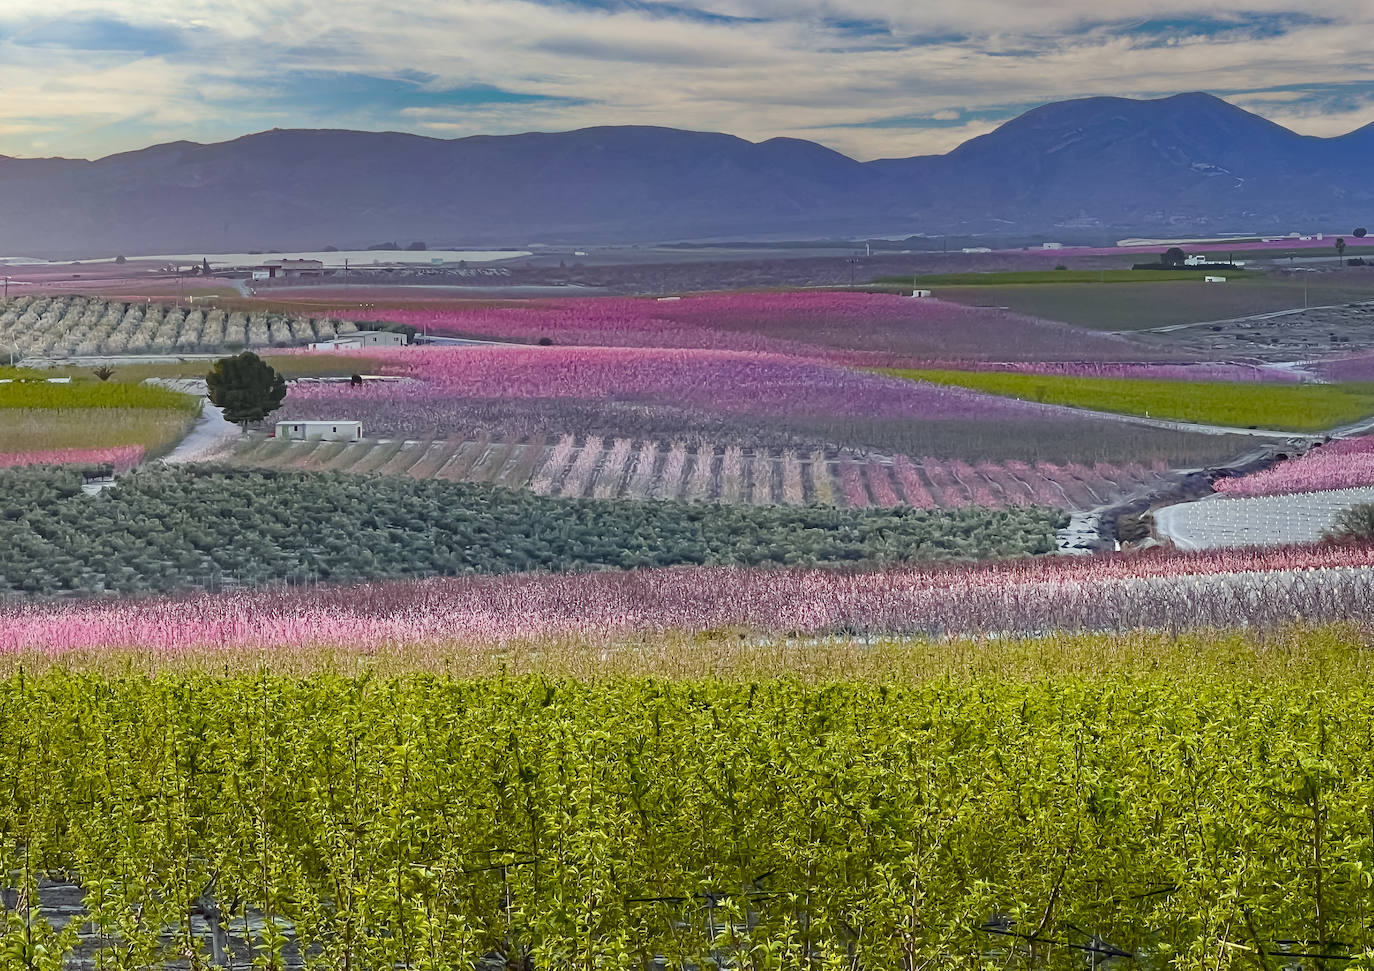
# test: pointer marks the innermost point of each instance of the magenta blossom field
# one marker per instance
(1356, 367)
(1336, 465)
(447, 380)
(122, 457)
(872, 329)
(1258, 588)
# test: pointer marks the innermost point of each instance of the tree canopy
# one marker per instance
(246, 387)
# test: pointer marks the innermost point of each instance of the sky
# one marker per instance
(870, 78)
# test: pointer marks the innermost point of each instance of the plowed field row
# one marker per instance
(610, 468)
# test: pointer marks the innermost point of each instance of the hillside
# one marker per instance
(1188, 162)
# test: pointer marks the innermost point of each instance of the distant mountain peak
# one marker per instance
(1183, 163)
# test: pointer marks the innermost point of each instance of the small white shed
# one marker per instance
(359, 339)
(1214, 279)
(920, 293)
(315, 431)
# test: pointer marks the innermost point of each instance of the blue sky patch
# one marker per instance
(99, 34)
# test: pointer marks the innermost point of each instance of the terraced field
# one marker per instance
(610, 468)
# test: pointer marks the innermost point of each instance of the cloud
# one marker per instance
(872, 78)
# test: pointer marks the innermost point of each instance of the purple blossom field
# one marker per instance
(755, 400)
(870, 329)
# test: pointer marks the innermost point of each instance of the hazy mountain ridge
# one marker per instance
(1189, 162)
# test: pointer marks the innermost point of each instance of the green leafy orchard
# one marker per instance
(426, 822)
(168, 528)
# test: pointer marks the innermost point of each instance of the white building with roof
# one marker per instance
(327, 430)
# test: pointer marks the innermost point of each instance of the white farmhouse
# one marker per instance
(360, 339)
(331, 430)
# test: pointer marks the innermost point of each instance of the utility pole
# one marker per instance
(7, 288)
(345, 271)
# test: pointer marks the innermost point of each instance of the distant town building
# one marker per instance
(1051, 245)
(1214, 279)
(977, 249)
(315, 431)
(288, 269)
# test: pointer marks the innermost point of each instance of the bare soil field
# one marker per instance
(1301, 336)
(1127, 307)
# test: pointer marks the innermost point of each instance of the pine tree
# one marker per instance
(246, 387)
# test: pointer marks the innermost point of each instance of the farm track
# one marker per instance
(622, 468)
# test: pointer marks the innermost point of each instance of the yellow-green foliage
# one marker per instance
(38, 429)
(1298, 407)
(29, 389)
(290, 366)
(427, 821)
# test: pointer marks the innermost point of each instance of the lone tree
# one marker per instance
(1340, 248)
(1173, 256)
(246, 387)
(1355, 524)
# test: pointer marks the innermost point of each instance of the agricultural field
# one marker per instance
(1225, 521)
(1086, 793)
(1141, 306)
(1293, 407)
(291, 366)
(861, 328)
(709, 649)
(623, 468)
(1020, 277)
(1341, 464)
(87, 421)
(1317, 340)
(751, 401)
(76, 326)
(462, 618)
(179, 527)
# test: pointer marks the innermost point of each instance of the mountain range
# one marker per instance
(1190, 163)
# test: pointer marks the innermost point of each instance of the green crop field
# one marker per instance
(1129, 306)
(40, 417)
(321, 365)
(30, 391)
(44, 429)
(1301, 407)
(1210, 800)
